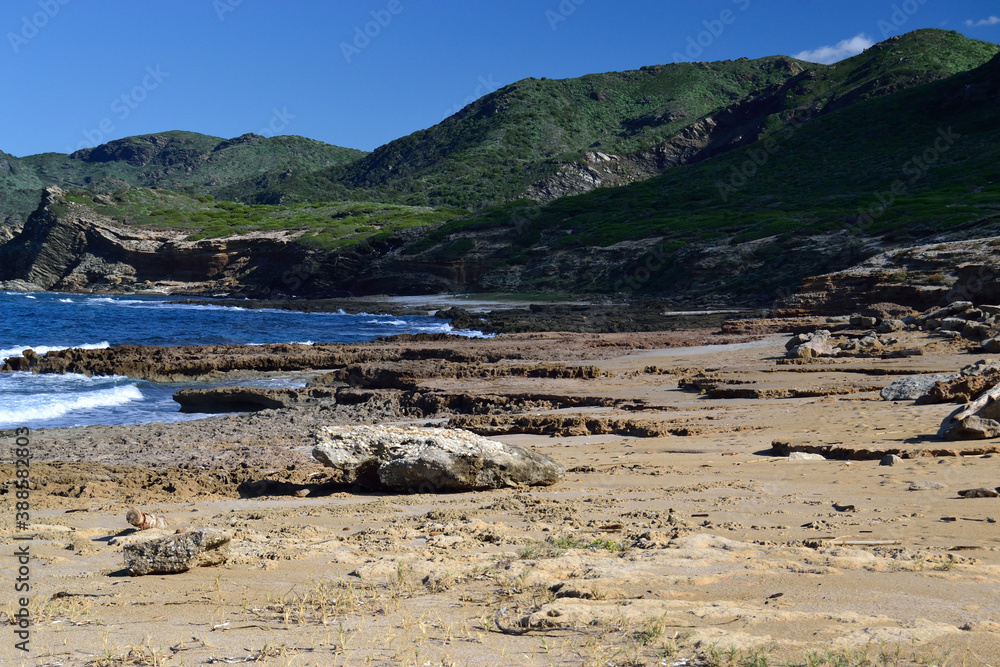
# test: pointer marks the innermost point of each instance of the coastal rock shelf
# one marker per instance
(648, 471)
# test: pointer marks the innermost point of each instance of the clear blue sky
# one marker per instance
(74, 72)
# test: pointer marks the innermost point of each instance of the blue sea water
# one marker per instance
(46, 321)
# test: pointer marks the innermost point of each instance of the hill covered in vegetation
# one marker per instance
(728, 181)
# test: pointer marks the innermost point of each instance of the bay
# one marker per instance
(45, 321)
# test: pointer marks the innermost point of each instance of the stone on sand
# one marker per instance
(983, 492)
(891, 326)
(991, 345)
(890, 460)
(805, 456)
(816, 344)
(925, 485)
(177, 553)
(430, 459)
(912, 387)
(971, 428)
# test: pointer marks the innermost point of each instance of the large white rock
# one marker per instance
(816, 344)
(429, 460)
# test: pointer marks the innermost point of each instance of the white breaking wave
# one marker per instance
(42, 349)
(65, 300)
(391, 323)
(43, 407)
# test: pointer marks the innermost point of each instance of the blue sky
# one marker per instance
(79, 72)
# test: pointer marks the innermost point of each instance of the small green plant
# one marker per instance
(651, 630)
(946, 565)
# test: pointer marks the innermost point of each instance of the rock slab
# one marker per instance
(971, 428)
(912, 387)
(804, 456)
(177, 553)
(430, 459)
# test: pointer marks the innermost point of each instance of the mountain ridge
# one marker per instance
(739, 189)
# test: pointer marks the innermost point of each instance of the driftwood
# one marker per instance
(975, 406)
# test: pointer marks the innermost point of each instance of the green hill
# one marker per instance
(496, 148)
(737, 178)
(900, 168)
(180, 161)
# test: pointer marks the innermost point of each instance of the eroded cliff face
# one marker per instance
(919, 277)
(737, 125)
(9, 228)
(68, 247)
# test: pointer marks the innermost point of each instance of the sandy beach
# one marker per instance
(680, 534)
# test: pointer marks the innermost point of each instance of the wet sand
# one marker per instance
(695, 544)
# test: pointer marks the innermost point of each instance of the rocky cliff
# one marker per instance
(919, 277)
(736, 125)
(69, 247)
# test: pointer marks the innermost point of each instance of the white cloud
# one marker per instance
(993, 20)
(831, 54)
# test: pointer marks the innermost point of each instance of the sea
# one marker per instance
(45, 321)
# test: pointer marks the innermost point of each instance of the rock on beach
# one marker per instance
(177, 553)
(430, 459)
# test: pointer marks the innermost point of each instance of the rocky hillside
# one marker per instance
(142, 239)
(880, 175)
(545, 139)
(69, 247)
(735, 183)
(537, 138)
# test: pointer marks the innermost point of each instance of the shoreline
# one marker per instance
(675, 509)
(516, 313)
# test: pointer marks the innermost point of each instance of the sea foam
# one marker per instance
(46, 406)
(42, 349)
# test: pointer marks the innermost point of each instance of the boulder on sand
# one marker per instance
(807, 346)
(978, 420)
(430, 459)
(970, 428)
(177, 553)
(912, 387)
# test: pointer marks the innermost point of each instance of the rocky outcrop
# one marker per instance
(167, 364)
(408, 374)
(597, 169)
(430, 460)
(822, 343)
(67, 246)
(919, 277)
(250, 399)
(739, 124)
(9, 228)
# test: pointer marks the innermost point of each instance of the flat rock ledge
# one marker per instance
(177, 553)
(250, 399)
(430, 460)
